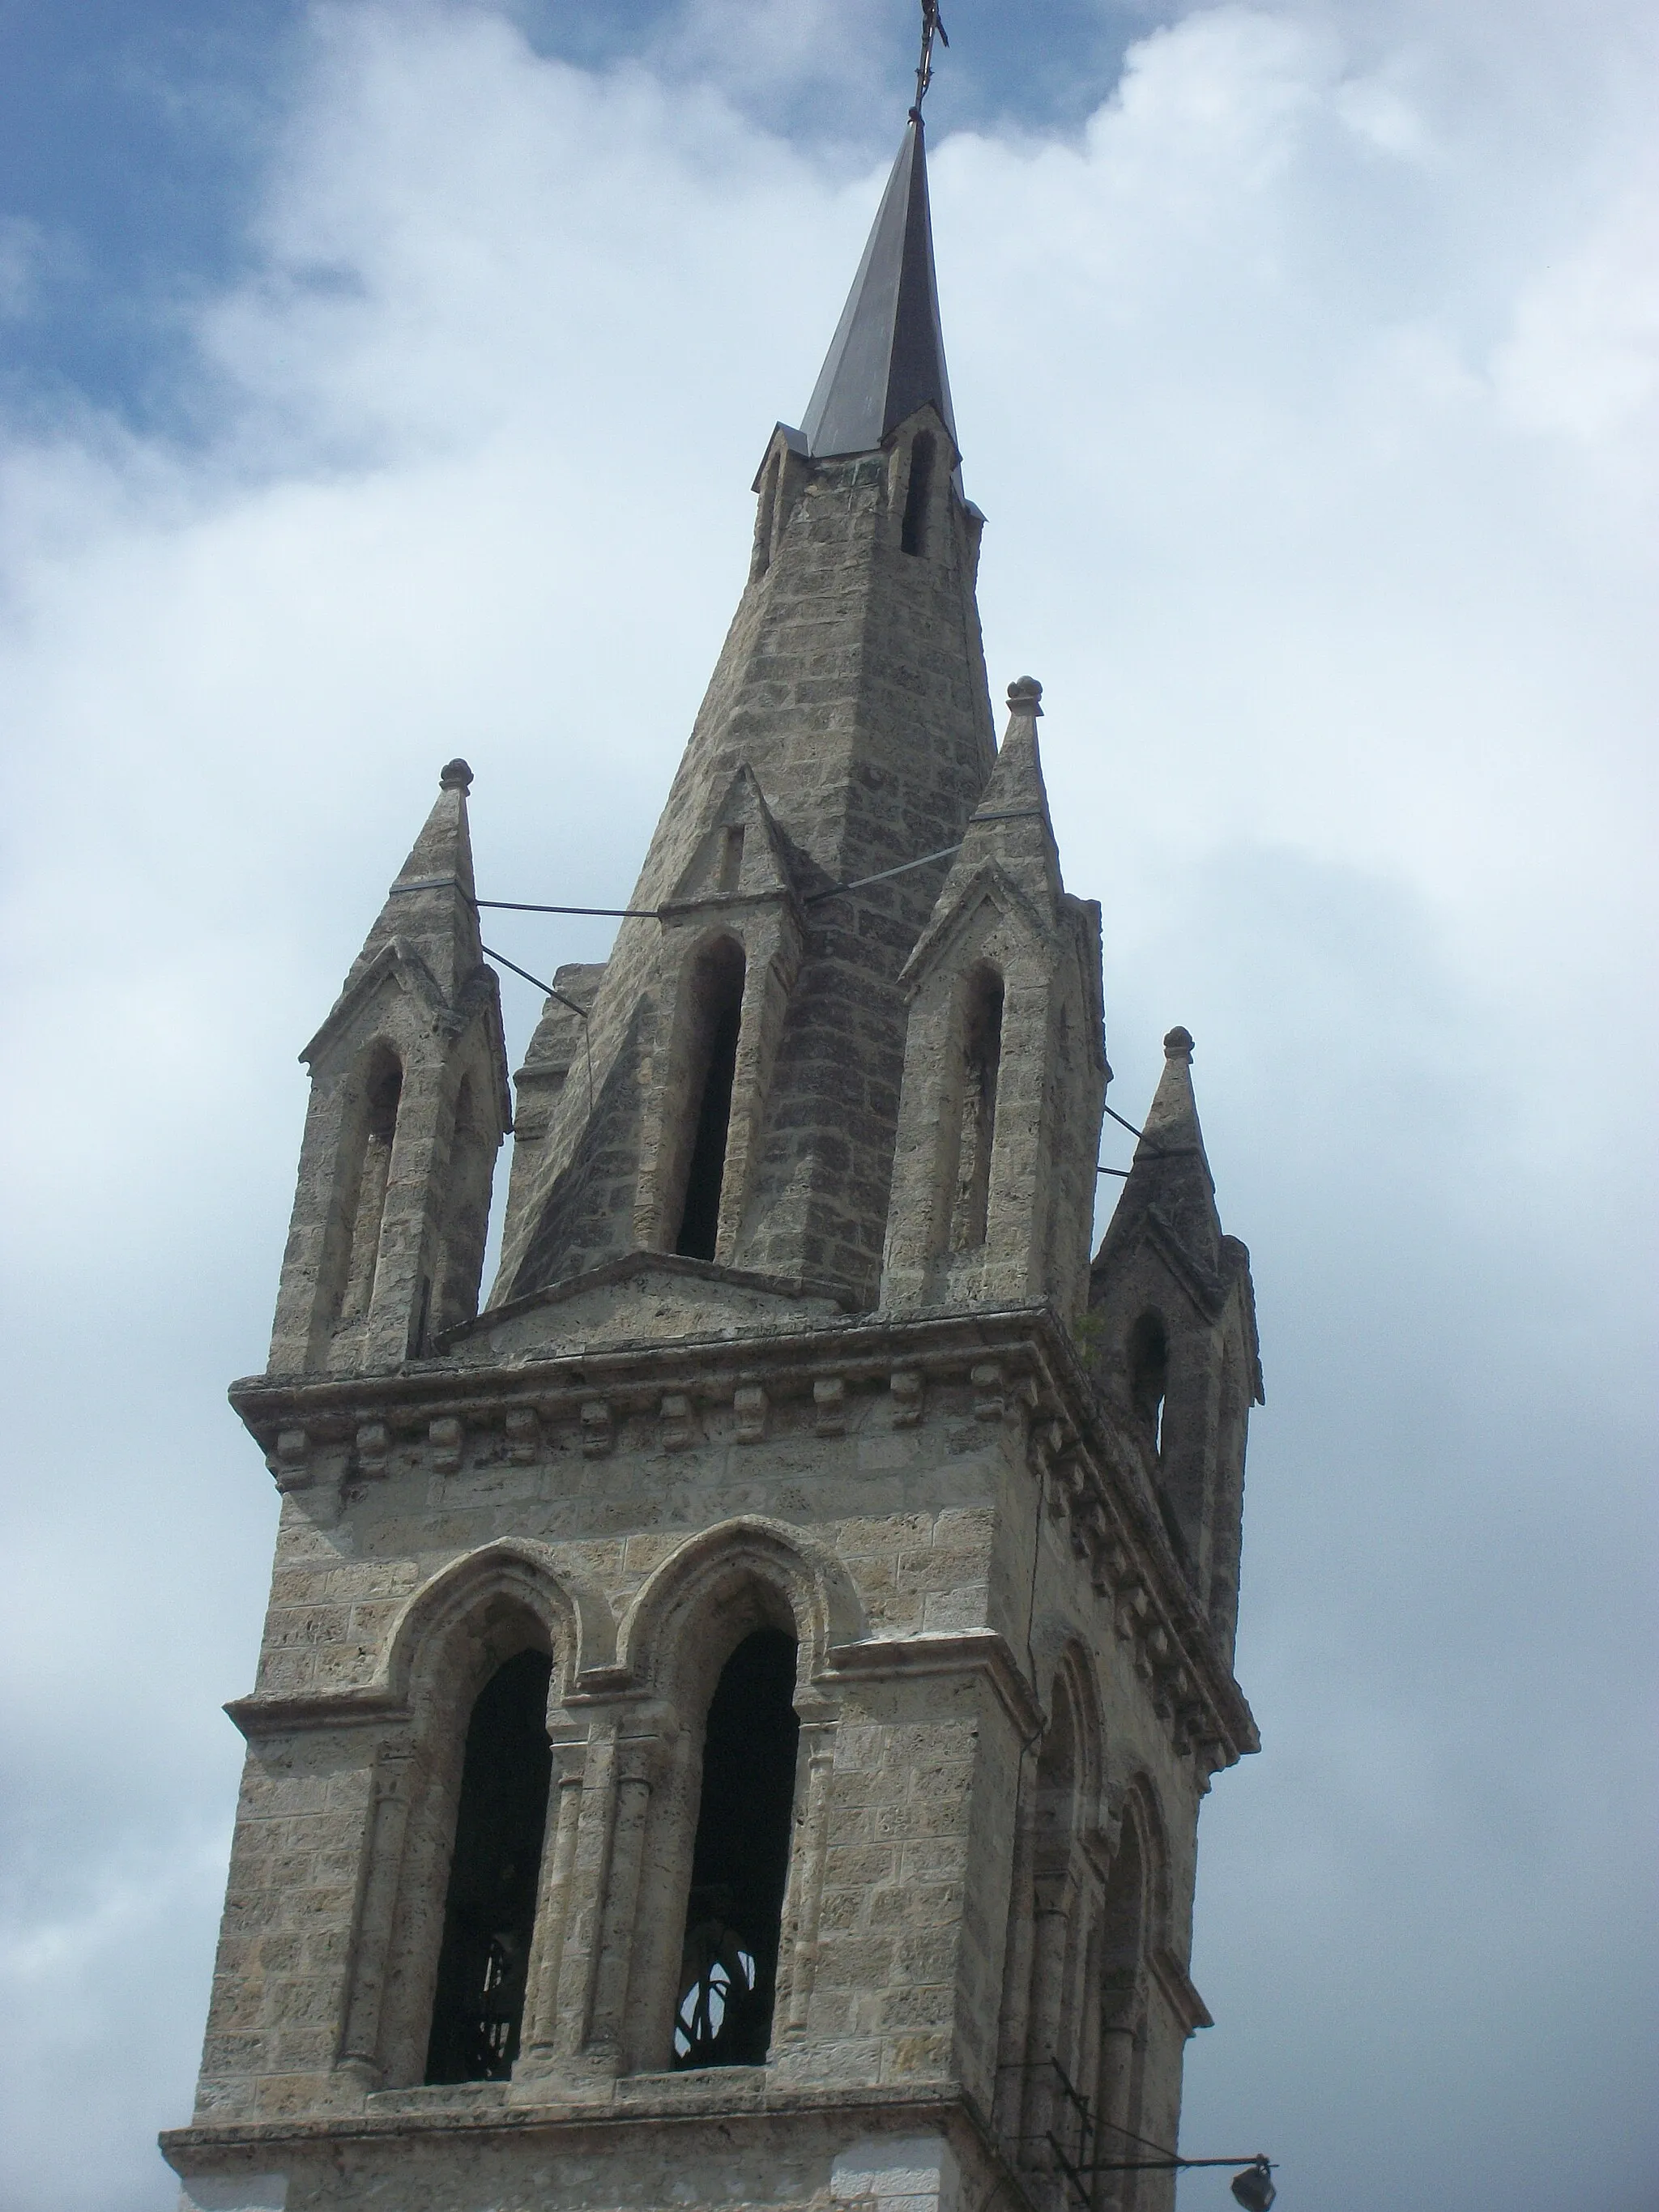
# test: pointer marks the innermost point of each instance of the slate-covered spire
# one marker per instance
(430, 906)
(887, 357)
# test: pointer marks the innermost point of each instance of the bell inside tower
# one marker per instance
(490, 1913)
(740, 1860)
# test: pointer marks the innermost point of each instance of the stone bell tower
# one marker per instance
(733, 1712)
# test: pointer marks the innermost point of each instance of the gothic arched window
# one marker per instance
(766, 516)
(740, 1860)
(717, 1018)
(1122, 2000)
(1149, 1373)
(490, 1913)
(981, 1062)
(362, 1210)
(465, 1223)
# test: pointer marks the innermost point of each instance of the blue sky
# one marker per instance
(382, 382)
(134, 141)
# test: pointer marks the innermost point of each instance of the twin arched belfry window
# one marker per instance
(739, 1866)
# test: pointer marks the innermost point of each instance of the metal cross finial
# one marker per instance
(932, 28)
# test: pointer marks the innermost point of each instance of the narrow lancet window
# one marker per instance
(383, 1089)
(766, 519)
(740, 1861)
(912, 530)
(466, 1213)
(1149, 1373)
(717, 1013)
(489, 1914)
(981, 1046)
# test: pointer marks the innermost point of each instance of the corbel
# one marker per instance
(447, 1439)
(374, 1447)
(524, 1436)
(679, 1422)
(598, 1434)
(990, 1402)
(290, 1459)
(906, 1393)
(750, 1408)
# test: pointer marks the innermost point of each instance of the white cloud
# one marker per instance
(1310, 394)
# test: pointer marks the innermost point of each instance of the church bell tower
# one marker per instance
(733, 1711)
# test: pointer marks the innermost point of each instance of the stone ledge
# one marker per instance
(710, 2103)
(1018, 1358)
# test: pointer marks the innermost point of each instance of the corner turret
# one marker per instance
(1005, 1065)
(409, 1105)
(1175, 1354)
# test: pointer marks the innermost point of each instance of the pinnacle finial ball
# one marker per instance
(1178, 1044)
(455, 775)
(1025, 696)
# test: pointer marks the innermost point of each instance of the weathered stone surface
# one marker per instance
(879, 1404)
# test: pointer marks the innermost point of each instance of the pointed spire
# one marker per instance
(430, 906)
(887, 357)
(1012, 821)
(1171, 1130)
(1009, 826)
(1170, 1187)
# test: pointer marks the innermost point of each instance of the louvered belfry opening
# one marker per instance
(740, 1861)
(490, 1913)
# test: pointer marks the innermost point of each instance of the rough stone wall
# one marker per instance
(852, 684)
(912, 1533)
(556, 1048)
(907, 1499)
(924, 2160)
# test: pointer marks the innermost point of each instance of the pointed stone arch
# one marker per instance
(719, 1588)
(739, 1568)
(1052, 1939)
(452, 1637)
(1135, 1918)
(968, 1204)
(757, 935)
(515, 1573)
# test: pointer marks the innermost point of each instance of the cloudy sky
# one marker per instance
(382, 382)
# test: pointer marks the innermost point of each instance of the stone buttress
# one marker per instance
(732, 1712)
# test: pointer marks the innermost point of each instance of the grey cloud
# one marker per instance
(1341, 608)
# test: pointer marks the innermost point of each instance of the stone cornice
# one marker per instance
(1019, 1361)
(618, 1271)
(980, 1651)
(642, 2101)
(373, 1706)
(1176, 1985)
